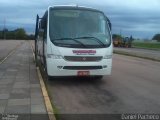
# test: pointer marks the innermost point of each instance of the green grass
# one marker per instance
(147, 45)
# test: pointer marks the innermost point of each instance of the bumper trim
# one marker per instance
(82, 67)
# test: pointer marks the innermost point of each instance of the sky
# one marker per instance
(139, 18)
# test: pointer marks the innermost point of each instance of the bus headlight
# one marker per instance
(107, 57)
(54, 56)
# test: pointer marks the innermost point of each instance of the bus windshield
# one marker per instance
(78, 28)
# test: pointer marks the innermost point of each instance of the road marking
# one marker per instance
(10, 53)
(44, 92)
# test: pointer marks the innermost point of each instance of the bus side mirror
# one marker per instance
(109, 23)
(110, 26)
(36, 29)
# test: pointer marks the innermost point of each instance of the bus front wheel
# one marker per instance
(45, 70)
(99, 77)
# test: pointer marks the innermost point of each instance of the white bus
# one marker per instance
(74, 41)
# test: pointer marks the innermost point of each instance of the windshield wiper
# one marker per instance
(94, 38)
(77, 41)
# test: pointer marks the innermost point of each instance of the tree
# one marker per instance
(4, 33)
(156, 37)
(30, 37)
(20, 33)
(116, 36)
(1, 35)
(10, 35)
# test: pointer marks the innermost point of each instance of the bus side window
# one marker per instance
(45, 34)
(45, 30)
(41, 34)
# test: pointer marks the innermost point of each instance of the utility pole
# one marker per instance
(4, 29)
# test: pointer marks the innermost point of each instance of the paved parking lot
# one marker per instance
(20, 91)
(6, 46)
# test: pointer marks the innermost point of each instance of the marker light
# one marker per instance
(54, 56)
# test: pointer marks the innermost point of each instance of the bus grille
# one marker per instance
(83, 58)
(82, 67)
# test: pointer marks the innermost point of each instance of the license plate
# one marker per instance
(83, 73)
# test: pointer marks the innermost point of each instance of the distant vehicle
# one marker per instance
(74, 41)
(117, 42)
(127, 42)
(122, 42)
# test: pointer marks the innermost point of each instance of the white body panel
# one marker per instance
(54, 71)
(53, 65)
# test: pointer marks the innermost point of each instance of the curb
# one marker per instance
(44, 92)
(135, 55)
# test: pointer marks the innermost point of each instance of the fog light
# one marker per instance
(59, 67)
(104, 66)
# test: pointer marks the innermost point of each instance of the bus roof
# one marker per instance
(56, 7)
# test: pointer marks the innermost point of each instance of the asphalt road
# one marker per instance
(133, 87)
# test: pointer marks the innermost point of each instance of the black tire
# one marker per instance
(99, 77)
(48, 77)
(45, 70)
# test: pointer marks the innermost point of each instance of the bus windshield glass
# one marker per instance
(78, 28)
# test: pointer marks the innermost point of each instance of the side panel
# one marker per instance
(41, 38)
(40, 44)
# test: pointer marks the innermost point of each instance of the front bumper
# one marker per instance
(55, 67)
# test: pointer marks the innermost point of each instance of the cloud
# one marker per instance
(137, 17)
